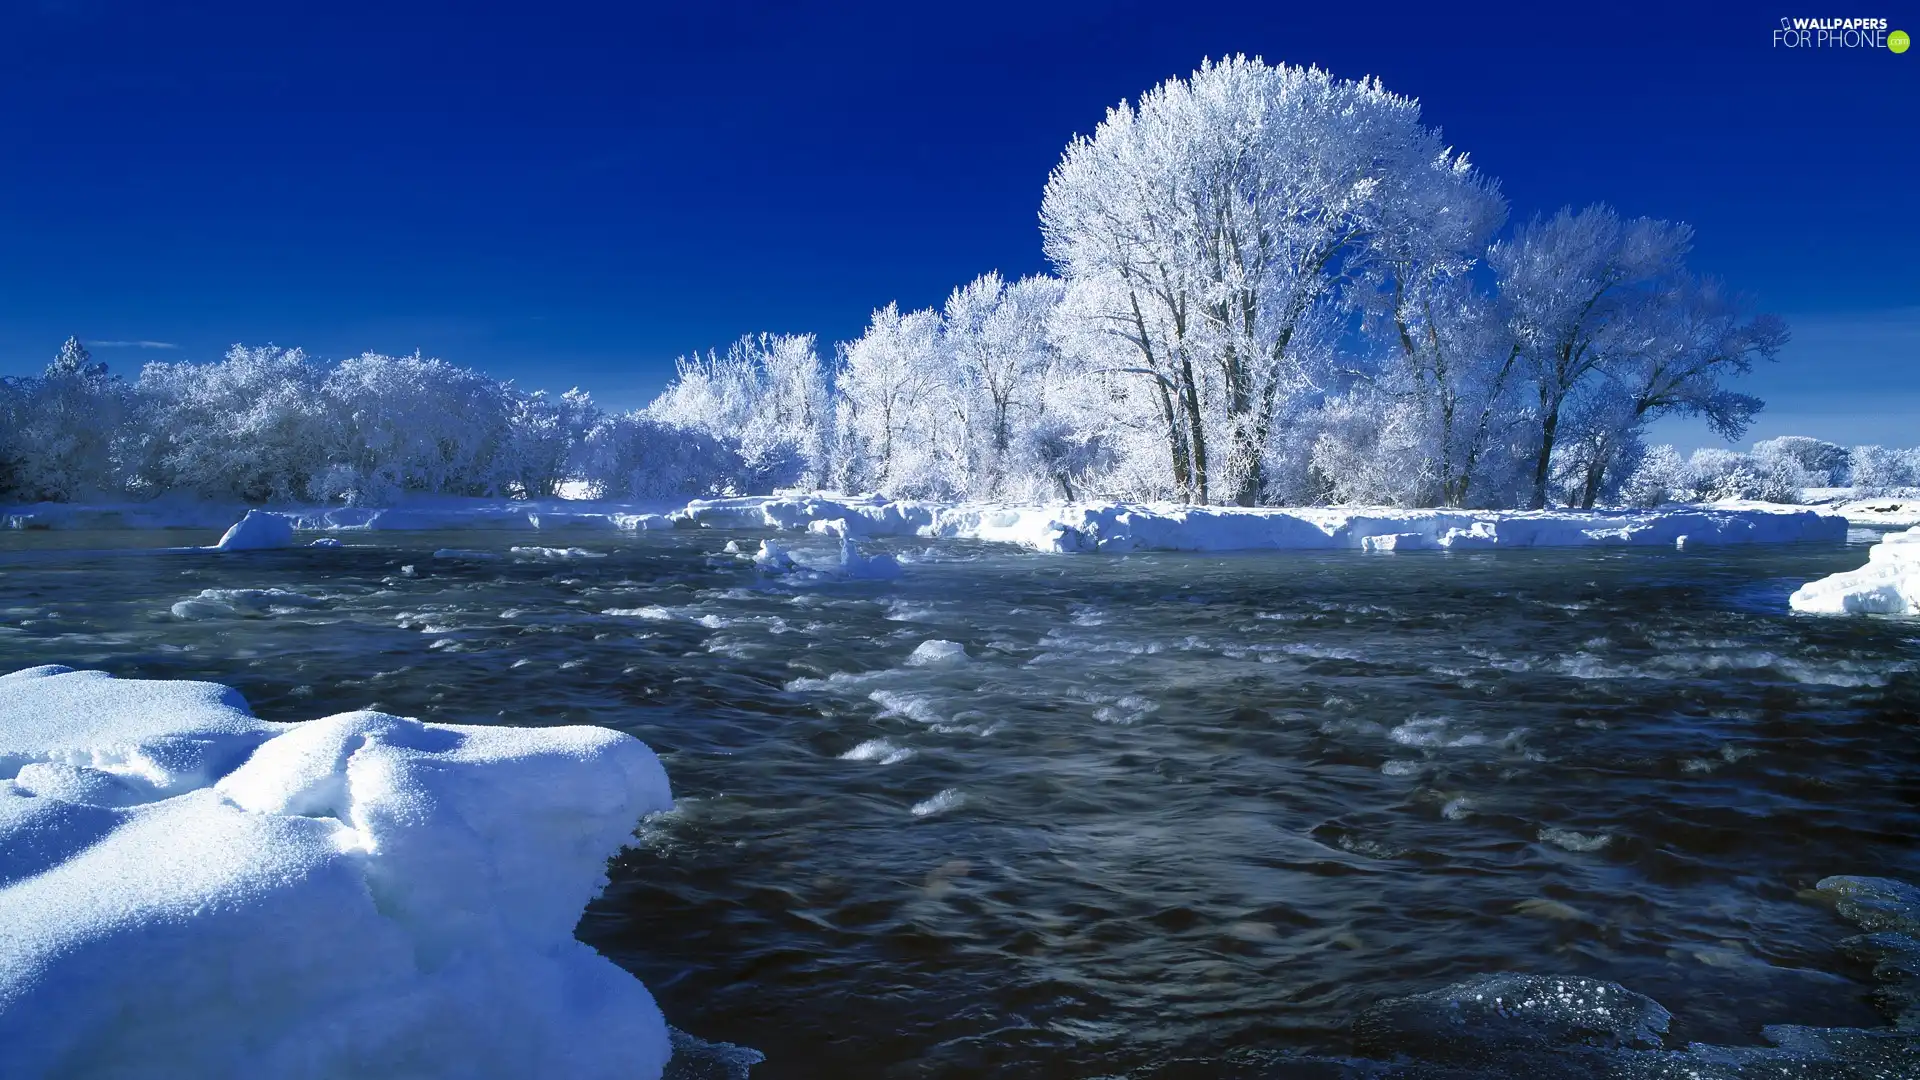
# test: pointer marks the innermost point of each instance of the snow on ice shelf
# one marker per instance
(1888, 585)
(188, 891)
(1120, 527)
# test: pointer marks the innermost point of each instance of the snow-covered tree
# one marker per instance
(635, 456)
(1876, 470)
(63, 432)
(545, 435)
(413, 424)
(1211, 221)
(768, 397)
(1826, 464)
(887, 386)
(253, 426)
(1573, 286)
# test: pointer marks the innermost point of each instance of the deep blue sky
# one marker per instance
(571, 194)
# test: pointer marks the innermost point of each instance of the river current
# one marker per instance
(1147, 815)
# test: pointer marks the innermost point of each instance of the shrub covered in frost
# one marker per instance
(1727, 474)
(1659, 477)
(1879, 469)
(1825, 464)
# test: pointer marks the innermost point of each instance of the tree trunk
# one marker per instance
(1596, 473)
(1196, 432)
(1543, 466)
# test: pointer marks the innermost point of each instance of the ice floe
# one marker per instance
(186, 890)
(1888, 585)
(258, 530)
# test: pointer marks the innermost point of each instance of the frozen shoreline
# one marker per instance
(1889, 584)
(1093, 526)
(1122, 527)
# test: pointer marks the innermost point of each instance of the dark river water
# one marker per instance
(1170, 812)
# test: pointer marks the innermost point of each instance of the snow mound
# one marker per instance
(1888, 585)
(186, 890)
(257, 531)
(1123, 527)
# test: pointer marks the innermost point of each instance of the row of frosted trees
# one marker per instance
(1271, 286)
(273, 425)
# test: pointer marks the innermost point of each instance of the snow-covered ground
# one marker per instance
(186, 890)
(1888, 585)
(1100, 526)
(1899, 510)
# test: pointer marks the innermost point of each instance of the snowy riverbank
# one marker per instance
(1888, 585)
(182, 883)
(1099, 526)
(1120, 527)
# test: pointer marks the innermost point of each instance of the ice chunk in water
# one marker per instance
(256, 531)
(938, 653)
(871, 567)
(773, 558)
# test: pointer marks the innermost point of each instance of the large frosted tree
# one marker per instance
(1577, 288)
(1214, 218)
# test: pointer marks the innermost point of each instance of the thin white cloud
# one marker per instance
(130, 344)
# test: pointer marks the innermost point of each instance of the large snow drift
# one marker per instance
(1888, 585)
(188, 891)
(1119, 527)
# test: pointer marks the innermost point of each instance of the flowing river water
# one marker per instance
(1168, 815)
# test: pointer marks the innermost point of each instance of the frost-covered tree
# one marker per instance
(1877, 470)
(1826, 464)
(888, 385)
(768, 397)
(1658, 477)
(253, 426)
(996, 386)
(1573, 286)
(1676, 356)
(63, 431)
(397, 424)
(544, 438)
(1212, 220)
(635, 456)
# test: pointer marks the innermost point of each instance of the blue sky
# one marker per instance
(573, 194)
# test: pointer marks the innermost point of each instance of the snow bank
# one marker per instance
(1112, 527)
(257, 531)
(186, 890)
(1888, 585)
(1121, 527)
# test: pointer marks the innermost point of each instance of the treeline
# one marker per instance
(269, 424)
(1271, 286)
